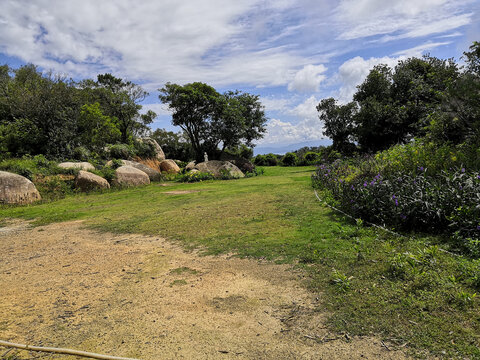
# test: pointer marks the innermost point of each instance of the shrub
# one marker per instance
(144, 150)
(121, 151)
(260, 160)
(81, 153)
(194, 177)
(445, 202)
(311, 157)
(271, 159)
(289, 159)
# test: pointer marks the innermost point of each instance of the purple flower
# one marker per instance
(395, 199)
(463, 170)
(421, 168)
(403, 216)
(365, 184)
(478, 227)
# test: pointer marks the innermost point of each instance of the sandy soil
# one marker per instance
(137, 296)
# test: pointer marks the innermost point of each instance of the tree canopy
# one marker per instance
(418, 97)
(52, 115)
(212, 121)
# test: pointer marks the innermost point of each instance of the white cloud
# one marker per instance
(306, 127)
(405, 19)
(420, 49)
(354, 71)
(308, 79)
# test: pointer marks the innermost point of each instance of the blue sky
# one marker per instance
(291, 53)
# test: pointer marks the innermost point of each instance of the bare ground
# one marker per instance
(136, 296)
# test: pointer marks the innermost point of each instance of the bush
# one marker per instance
(446, 202)
(144, 150)
(81, 153)
(260, 160)
(194, 177)
(289, 159)
(121, 151)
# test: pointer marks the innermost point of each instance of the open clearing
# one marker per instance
(140, 296)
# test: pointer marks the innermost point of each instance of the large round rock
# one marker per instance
(217, 168)
(169, 166)
(16, 189)
(153, 175)
(76, 165)
(87, 181)
(129, 176)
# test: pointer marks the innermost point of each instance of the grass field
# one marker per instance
(406, 290)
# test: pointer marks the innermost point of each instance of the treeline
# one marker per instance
(62, 118)
(65, 119)
(429, 98)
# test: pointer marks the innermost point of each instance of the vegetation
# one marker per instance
(211, 120)
(60, 118)
(429, 184)
(426, 97)
(405, 290)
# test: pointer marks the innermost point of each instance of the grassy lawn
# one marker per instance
(405, 290)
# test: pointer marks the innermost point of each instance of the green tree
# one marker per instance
(119, 99)
(95, 129)
(214, 122)
(174, 145)
(338, 123)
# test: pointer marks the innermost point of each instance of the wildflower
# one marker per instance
(421, 168)
(365, 184)
(403, 217)
(463, 170)
(395, 199)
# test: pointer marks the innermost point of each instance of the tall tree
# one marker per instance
(338, 123)
(211, 120)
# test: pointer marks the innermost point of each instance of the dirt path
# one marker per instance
(138, 296)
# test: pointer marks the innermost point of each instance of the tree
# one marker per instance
(174, 145)
(214, 122)
(119, 99)
(95, 129)
(338, 123)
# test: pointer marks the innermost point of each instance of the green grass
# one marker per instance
(424, 298)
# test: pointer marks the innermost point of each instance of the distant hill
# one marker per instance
(282, 149)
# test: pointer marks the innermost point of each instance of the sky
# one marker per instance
(291, 53)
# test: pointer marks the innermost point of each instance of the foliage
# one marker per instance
(419, 97)
(121, 151)
(194, 177)
(211, 120)
(144, 150)
(338, 123)
(289, 159)
(174, 145)
(52, 115)
(266, 160)
(446, 201)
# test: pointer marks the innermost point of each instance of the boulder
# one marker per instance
(153, 175)
(190, 165)
(129, 176)
(217, 167)
(159, 154)
(77, 165)
(243, 164)
(87, 181)
(169, 166)
(16, 189)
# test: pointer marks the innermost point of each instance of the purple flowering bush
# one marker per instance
(443, 202)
